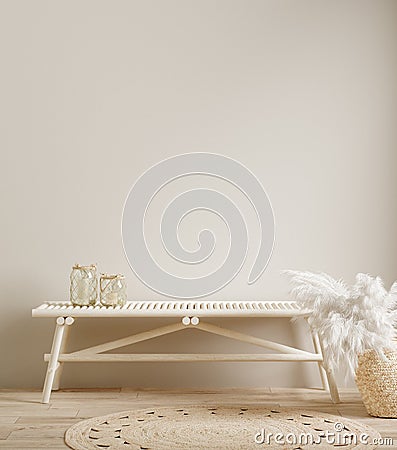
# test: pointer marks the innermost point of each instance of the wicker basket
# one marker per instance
(377, 382)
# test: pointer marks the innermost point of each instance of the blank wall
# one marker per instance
(95, 92)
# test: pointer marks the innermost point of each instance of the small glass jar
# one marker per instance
(83, 285)
(112, 290)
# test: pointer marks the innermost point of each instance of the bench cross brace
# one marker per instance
(97, 353)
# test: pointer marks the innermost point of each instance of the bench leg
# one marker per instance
(58, 372)
(333, 388)
(53, 363)
(323, 372)
(329, 374)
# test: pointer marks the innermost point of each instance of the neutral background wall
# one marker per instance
(95, 92)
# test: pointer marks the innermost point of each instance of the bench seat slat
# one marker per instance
(172, 308)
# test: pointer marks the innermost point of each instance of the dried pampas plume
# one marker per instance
(349, 320)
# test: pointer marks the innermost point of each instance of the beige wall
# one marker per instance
(95, 92)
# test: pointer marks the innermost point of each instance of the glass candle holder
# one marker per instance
(83, 285)
(112, 290)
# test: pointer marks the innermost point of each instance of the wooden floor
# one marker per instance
(25, 423)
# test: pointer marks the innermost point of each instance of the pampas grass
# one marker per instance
(348, 319)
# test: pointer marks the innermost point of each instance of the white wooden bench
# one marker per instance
(189, 315)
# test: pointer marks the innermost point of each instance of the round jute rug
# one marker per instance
(226, 427)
